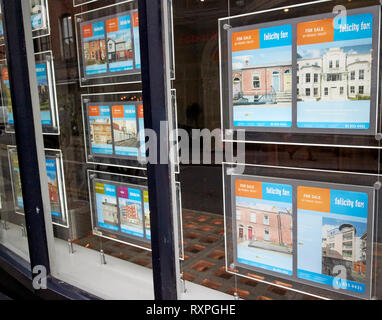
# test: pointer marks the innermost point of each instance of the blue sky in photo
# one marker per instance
(261, 56)
(246, 202)
(350, 46)
(361, 228)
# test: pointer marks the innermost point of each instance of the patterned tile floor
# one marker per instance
(204, 259)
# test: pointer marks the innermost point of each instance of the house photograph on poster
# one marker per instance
(344, 244)
(262, 77)
(264, 225)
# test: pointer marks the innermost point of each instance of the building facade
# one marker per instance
(336, 75)
(269, 82)
(264, 225)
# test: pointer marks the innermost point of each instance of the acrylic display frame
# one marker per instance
(294, 177)
(44, 30)
(82, 3)
(54, 129)
(55, 154)
(294, 135)
(119, 98)
(120, 180)
(100, 14)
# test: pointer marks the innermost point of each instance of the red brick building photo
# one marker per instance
(264, 226)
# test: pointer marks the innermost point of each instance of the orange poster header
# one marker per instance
(318, 31)
(135, 20)
(246, 40)
(117, 112)
(112, 25)
(140, 111)
(313, 199)
(94, 111)
(248, 189)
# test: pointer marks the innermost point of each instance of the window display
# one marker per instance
(56, 185)
(310, 74)
(108, 44)
(114, 131)
(120, 208)
(311, 232)
(39, 18)
(46, 90)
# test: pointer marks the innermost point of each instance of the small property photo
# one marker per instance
(119, 46)
(125, 133)
(100, 134)
(264, 233)
(95, 52)
(344, 244)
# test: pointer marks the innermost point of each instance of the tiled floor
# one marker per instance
(204, 259)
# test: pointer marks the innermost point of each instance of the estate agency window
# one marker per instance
(274, 220)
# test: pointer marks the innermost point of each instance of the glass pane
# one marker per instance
(13, 236)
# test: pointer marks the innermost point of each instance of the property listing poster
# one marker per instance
(44, 93)
(262, 77)
(137, 48)
(53, 184)
(44, 90)
(53, 187)
(146, 209)
(101, 139)
(94, 48)
(117, 130)
(119, 43)
(16, 181)
(125, 130)
(1, 27)
(130, 209)
(264, 222)
(111, 46)
(334, 58)
(6, 94)
(38, 14)
(332, 237)
(107, 208)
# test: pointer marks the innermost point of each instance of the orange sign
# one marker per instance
(112, 25)
(94, 111)
(135, 20)
(5, 74)
(117, 111)
(248, 189)
(140, 111)
(313, 199)
(318, 31)
(87, 31)
(246, 40)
